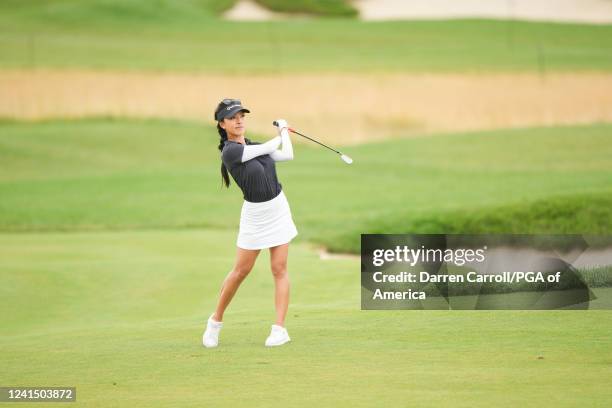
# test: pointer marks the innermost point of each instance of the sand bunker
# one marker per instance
(588, 11)
(340, 109)
(246, 10)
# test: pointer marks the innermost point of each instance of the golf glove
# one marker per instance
(281, 124)
(286, 152)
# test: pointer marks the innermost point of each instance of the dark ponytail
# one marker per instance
(223, 137)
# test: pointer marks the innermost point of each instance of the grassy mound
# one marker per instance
(564, 214)
(328, 8)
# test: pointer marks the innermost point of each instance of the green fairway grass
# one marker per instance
(119, 315)
(187, 36)
(139, 174)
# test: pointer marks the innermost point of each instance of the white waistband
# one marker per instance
(268, 203)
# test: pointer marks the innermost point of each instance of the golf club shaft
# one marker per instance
(316, 141)
(309, 138)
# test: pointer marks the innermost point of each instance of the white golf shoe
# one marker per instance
(211, 335)
(278, 336)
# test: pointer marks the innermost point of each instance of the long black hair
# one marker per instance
(222, 138)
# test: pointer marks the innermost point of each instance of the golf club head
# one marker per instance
(346, 159)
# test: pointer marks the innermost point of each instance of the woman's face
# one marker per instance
(234, 125)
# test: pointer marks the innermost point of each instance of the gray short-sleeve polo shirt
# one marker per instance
(256, 177)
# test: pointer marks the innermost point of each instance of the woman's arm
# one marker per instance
(286, 152)
(251, 151)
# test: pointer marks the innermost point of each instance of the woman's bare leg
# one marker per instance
(278, 262)
(245, 259)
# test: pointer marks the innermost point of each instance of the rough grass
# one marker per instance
(597, 276)
(185, 35)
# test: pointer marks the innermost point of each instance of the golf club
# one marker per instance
(343, 156)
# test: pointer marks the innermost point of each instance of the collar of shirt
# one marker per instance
(231, 141)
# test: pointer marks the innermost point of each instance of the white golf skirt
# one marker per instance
(266, 224)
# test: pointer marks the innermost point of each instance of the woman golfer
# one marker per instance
(265, 219)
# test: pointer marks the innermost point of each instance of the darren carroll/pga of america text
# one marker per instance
(458, 256)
